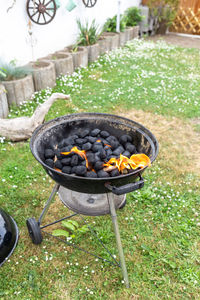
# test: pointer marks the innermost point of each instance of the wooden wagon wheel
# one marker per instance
(41, 12)
(89, 3)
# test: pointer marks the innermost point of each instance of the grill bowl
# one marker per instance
(51, 133)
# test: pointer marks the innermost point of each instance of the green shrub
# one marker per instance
(88, 35)
(111, 23)
(133, 16)
(9, 71)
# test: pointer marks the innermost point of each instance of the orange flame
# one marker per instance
(134, 162)
(82, 153)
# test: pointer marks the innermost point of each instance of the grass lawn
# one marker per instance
(159, 86)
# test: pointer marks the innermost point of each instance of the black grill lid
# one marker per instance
(8, 236)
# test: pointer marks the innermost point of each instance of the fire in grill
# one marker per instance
(84, 152)
(95, 153)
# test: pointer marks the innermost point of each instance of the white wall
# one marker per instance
(61, 32)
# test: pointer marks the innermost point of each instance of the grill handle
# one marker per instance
(124, 189)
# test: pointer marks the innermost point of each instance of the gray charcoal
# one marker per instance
(73, 170)
(102, 174)
(66, 169)
(91, 174)
(74, 160)
(57, 153)
(91, 139)
(111, 138)
(102, 154)
(58, 164)
(49, 153)
(83, 163)
(96, 157)
(114, 173)
(80, 170)
(118, 151)
(114, 144)
(104, 134)
(125, 139)
(106, 147)
(83, 133)
(66, 161)
(109, 152)
(95, 132)
(97, 147)
(80, 141)
(69, 141)
(131, 148)
(87, 146)
(126, 153)
(91, 157)
(98, 165)
(49, 162)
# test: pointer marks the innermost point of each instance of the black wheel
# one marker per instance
(89, 3)
(123, 204)
(34, 231)
(41, 12)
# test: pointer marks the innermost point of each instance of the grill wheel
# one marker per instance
(34, 231)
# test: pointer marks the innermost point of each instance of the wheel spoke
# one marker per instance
(49, 8)
(91, 4)
(44, 18)
(48, 3)
(38, 17)
(34, 14)
(47, 14)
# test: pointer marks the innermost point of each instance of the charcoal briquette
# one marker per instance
(98, 165)
(90, 157)
(66, 161)
(91, 139)
(131, 148)
(95, 132)
(80, 141)
(49, 153)
(74, 160)
(69, 141)
(104, 134)
(102, 154)
(118, 151)
(57, 153)
(126, 153)
(97, 147)
(114, 173)
(114, 144)
(102, 174)
(125, 138)
(83, 133)
(58, 164)
(73, 170)
(80, 170)
(91, 174)
(96, 157)
(109, 152)
(66, 169)
(106, 147)
(87, 146)
(83, 163)
(49, 162)
(111, 138)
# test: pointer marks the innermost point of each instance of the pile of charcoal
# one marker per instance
(98, 146)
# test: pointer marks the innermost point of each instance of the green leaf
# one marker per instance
(68, 225)
(60, 232)
(75, 223)
(83, 229)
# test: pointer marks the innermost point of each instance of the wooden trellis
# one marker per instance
(187, 21)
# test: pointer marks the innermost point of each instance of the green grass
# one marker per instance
(160, 225)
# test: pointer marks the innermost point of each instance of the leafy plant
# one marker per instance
(111, 23)
(88, 34)
(133, 16)
(9, 71)
(73, 228)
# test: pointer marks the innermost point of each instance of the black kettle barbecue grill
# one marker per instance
(81, 193)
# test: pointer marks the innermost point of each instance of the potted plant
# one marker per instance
(63, 62)
(116, 39)
(18, 82)
(88, 37)
(133, 17)
(79, 55)
(44, 74)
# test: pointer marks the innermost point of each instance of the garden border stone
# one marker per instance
(104, 45)
(3, 102)
(63, 62)
(93, 52)
(44, 74)
(19, 90)
(80, 57)
(114, 39)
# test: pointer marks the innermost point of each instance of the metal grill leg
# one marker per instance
(113, 214)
